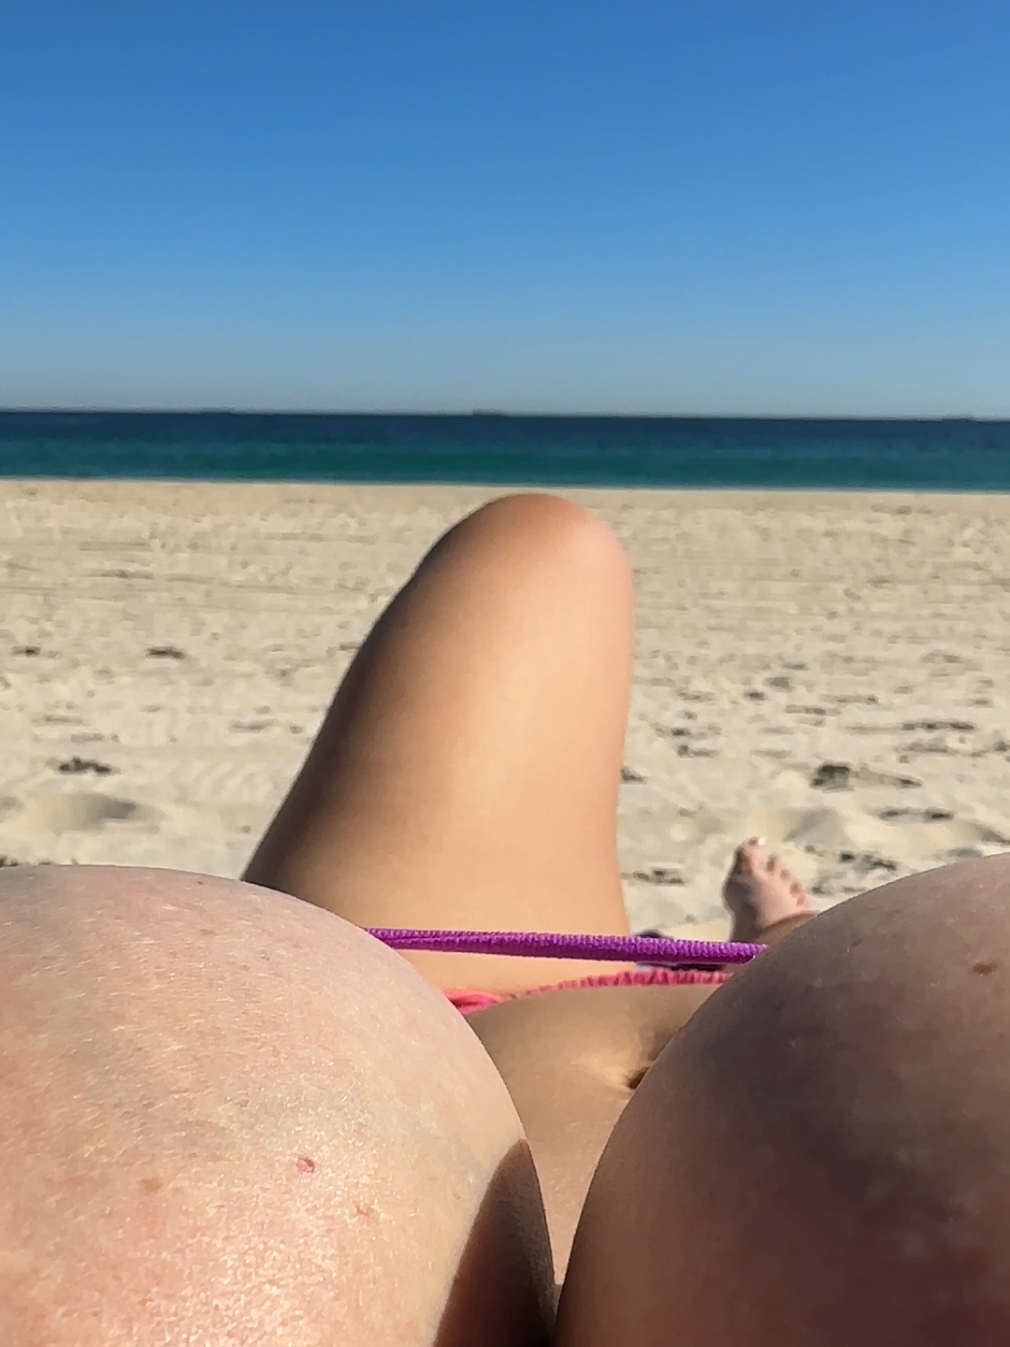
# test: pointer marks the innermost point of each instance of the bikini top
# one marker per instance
(535, 945)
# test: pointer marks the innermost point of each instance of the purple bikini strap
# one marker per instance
(532, 945)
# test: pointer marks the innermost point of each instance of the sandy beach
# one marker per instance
(831, 671)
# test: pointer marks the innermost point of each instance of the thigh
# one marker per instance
(468, 771)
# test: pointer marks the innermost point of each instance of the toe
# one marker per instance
(801, 896)
(747, 857)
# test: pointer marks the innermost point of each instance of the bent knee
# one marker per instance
(561, 538)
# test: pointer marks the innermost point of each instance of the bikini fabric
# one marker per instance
(469, 1002)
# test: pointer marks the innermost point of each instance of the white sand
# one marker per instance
(777, 633)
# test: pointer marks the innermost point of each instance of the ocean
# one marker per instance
(898, 455)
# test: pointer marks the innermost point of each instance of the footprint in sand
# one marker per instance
(656, 874)
(75, 766)
(77, 812)
(843, 776)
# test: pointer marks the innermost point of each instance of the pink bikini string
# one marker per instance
(533, 945)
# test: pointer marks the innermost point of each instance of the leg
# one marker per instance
(822, 1154)
(229, 1117)
(466, 775)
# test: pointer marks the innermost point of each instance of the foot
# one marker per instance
(761, 893)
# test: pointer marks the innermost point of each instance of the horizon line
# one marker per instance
(491, 413)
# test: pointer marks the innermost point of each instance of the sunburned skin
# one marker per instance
(229, 1117)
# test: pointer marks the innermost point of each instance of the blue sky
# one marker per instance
(774, 207)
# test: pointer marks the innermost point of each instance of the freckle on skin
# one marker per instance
(983, 969)
(306, 1165)
(151, 1185)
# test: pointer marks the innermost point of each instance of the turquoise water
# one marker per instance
(950, 455)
